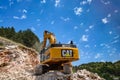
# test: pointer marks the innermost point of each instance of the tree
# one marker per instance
(107, 70)
(29, 39)
(26, 37)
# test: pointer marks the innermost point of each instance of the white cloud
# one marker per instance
(1, 20)
(91, 26)
(65, 19)
(115, 11)
(105, 2)
(88, 10)
(78, 10)
(22, 17)
(41, 11)
(113, 51)
(114, 61)
(71, 41)
(102, 60)
(84, 38)
(109, 15)
(3, 7)
(117, 36)
(110, 54)
(105, 20)
(97, 56)
(57, 3)
(16, 17)
(110, 32)
(11, 2)
(118, 27)
(87, 46)
(52, 22)
(115, 41)
(105, 45)
(33, 29)
(43, 1)
(81, 24)
(85, 2)
(24, 11)
(95, 45)
(102, 44)
(89, 1)
(38, 24)
(75, 27)
(68, 42)
(86, 30)
(38, 20)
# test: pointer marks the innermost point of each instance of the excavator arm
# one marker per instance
(48, 36)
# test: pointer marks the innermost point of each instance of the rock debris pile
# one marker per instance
(53, 75)
(16, 63)
(79, 75)
(86, 75)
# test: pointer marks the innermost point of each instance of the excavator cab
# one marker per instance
(57, 56)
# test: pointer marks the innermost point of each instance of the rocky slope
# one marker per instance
(18, 62)
(79, 75)
(86, 75)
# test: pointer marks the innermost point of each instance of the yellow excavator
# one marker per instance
(56, 56)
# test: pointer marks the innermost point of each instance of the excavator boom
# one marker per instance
(50, 36)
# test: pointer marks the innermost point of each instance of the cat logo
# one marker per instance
(67, 53)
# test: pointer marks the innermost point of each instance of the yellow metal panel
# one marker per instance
(56, 53)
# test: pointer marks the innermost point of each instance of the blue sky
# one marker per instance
(93, 25)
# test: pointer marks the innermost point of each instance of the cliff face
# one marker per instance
(16, 62)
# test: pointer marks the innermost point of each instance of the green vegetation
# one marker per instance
(107, 70)
(26, 37)
(1, 44)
